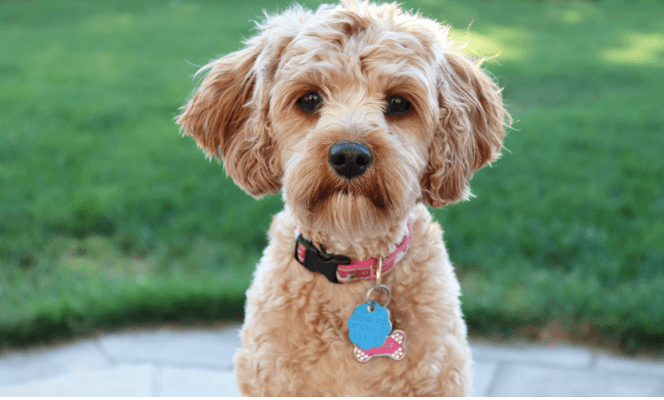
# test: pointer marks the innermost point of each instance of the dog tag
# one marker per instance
(369, 331)
(369, 325)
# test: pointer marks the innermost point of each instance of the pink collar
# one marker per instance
(342, 269)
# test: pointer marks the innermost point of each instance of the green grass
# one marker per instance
(108, 216)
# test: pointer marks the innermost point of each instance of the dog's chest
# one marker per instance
(319, 343)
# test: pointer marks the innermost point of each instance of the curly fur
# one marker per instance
(356, 55)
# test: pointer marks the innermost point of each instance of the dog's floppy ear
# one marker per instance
(228, 113)
(469, 132)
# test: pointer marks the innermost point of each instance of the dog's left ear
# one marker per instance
(228, 115)
(469, 132)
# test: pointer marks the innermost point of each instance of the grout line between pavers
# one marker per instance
(104, 353)
(175, 364)
(536, 363)
(493, 382)
(629, 374)
(157, 373)
(593, 361)
(590, 367)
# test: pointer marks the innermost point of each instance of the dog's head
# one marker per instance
(357, 111)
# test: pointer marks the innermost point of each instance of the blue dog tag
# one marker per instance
(368, 329)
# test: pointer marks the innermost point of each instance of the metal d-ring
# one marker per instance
(379, 270)
(389, 295)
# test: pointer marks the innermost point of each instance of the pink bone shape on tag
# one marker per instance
(392, 347)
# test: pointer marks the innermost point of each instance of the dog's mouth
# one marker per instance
(375, 195)
(325, 198)
(349, 193)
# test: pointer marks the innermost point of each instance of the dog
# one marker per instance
(361, 115)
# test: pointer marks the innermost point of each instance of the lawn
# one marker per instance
(108, 216)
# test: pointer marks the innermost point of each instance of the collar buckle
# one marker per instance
(343, 269)
(319, 261)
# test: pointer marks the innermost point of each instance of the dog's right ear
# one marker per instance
(228, 113)
(470, 130)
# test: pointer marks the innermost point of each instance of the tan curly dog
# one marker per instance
(361, 114)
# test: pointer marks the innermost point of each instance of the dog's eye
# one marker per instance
(397, 106)
(311, 102)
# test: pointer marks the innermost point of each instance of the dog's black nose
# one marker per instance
(349, 159)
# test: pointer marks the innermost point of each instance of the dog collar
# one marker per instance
(342, 269)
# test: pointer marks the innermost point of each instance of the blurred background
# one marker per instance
(109, 217)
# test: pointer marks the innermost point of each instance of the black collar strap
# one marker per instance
(318, 261)
(342, 269)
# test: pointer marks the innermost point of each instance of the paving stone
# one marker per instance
(201, 347)
(198, 362)
(124, 380)
(526, 353)
(483, 374)
(518, 380)
(607, 362)
(195, 382)
(43, 362)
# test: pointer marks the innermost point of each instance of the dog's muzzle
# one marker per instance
(349, 159)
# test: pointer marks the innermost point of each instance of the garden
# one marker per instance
(109, 217)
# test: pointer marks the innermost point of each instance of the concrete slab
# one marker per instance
(519, 380)
(20, 366)
(198, 362)
(124, 380)
(539, 354)
(183, 347)
(484, 373)
(195, 382)
(631, 365)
